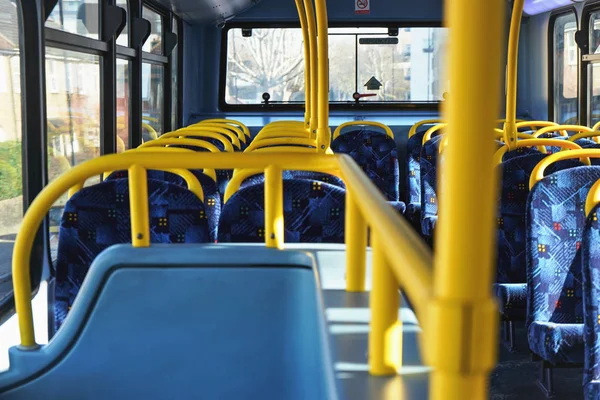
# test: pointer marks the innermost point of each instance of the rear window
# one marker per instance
(406, 67)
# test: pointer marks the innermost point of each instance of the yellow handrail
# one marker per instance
(386, 128)
(463, 305)
(541, 143)
(307, 76)
(538, 172)
(311, 24)
(282, 133)
(151, 131)
(193, 131)
(181, 142)
(234, 133)
(593, 198)
(510, 127)
(323, 131)
(243, 127)
(499, 135)
(586, 134)
(413, 129)
(196, 135)
(298, 142)
(596, 126)
(563, 129)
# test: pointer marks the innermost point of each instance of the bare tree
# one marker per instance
(271, 60)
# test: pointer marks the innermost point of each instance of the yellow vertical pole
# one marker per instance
(510, 126)
(461, 329)
(314, 76)
(384, 303)
(356, 246)
(138, 204)
(307, 76)
(323, 132)
(274, 207)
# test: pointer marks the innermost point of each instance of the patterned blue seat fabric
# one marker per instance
(511, 277)
(590, 255)
(212, 197)
(555, 223)
(98, 217)
(413, 179)
(376, 154)
(287, 175)
(429, 201)
(313, 213)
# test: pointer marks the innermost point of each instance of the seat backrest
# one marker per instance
(287, 175)
(313, 213)
(515, 173)
(555, 223)
(428, 161)
(212, 197)
(98, 217)
(590, 255)
(376, 154)
(413, 168)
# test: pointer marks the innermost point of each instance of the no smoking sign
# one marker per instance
(362, 6)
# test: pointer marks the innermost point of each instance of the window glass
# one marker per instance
(270, 61)
(152, 101)
(154, 42)
(123, 104)
(75, 16)
(11, 186)
(73, 112)
(403, 68)
(594, 70)
(123, 38)
(174, 86)
(565, 69)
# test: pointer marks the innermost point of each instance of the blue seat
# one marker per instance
(287, 175)
(511, 274)
(429, 201)
(590, 256)
(212, 197)
(555, 223)
(313, 213)
(413, 179)
(98, 217)
(376, 154)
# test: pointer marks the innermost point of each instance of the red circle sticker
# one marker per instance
(362, 4)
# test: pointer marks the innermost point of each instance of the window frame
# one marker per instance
(551, 70)
(226, 107)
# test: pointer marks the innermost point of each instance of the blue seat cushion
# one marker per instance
(288, 175)
(557, 343)
(398, 206)
(512, 300)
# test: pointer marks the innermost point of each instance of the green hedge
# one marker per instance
(10, 170)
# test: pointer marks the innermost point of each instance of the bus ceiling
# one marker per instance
(208, 11)
(533, 7)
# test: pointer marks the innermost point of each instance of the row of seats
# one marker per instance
(545, 266)
(97, 216)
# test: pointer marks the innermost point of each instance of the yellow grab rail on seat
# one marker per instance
(593, 198)
(538, 172)
(563, 129)
(538, 142)
(298, 142)
(192, 132)
(584, 134)
(197, 135)
(413, 129)
(151, 131)
(387, 129)
(431, 131)
(243, 127)
(234, 133)
(282, 133)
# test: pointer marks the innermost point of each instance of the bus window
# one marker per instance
(566, 65)
(73, 112)
(393, 69)
(123, 39)
(123, 104)
(11, 187)
(75, 16)
(594, 70)
(153, 78)
(154, 42)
